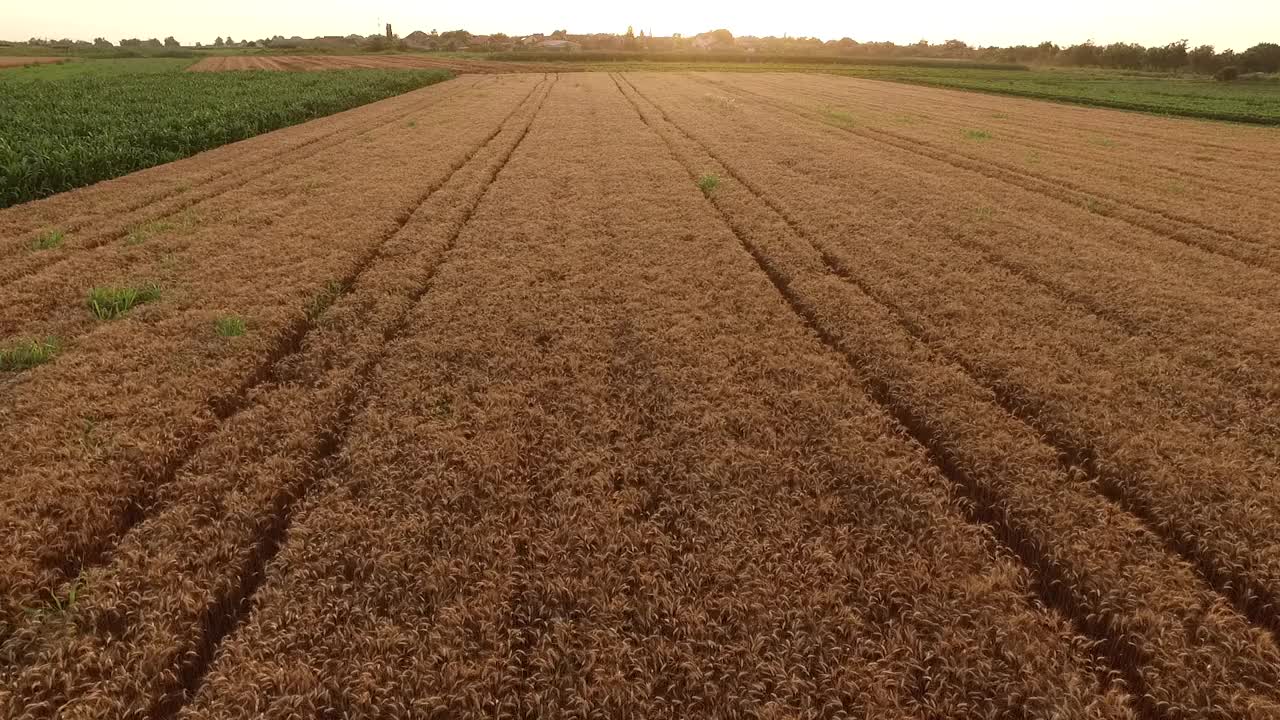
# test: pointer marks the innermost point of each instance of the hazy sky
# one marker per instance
(1225, 23)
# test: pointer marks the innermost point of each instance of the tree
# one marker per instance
(1083, 55)
(218, 42)
(169, 42)
(454, 39)
(102, 43)
(1124, 55)
(130, 43)
(1204, 60)
(559, 34)
(1264, 57)
(152, 43)
(1170, 57)
(230, 42)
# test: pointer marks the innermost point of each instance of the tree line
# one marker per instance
(1205, 59)
(1173, 57)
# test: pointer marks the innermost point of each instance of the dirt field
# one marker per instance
(654, 395)
(8, 62)
(343, 62)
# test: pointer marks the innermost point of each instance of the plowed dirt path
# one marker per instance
(7, 62)
(347, 62)
(655, 395)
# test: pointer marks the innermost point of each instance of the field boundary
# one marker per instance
(192, 197)
(1134, 107)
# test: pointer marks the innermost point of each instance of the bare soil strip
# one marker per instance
(311, 63)
(1009, 475)
(589, 473)
(115, 433)
(8, 62)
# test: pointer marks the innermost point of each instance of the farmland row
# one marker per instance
(606, 471)
(1166, 223)
(1223, 195)
(95, 434)
(1093, 560)
(7, 62)
(111, 210)
(1144, 288)
(140, 649)
(1207, 491)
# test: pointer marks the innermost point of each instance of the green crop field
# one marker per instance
(81, 67)
(65, 126)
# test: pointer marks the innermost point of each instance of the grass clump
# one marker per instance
(978, 135)
(28, 354)
(48, 240)
(839, 118)
(708, 184)
(107, 303)
(321, 302)
(59, 607)
(142, 233)
(230, 326)
(182, 222)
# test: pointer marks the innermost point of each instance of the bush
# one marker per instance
(1227, 74)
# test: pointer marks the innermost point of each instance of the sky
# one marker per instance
(1236, 24)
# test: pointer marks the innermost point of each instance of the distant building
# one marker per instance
(559, 45)
(419, 39)
(717, 40)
